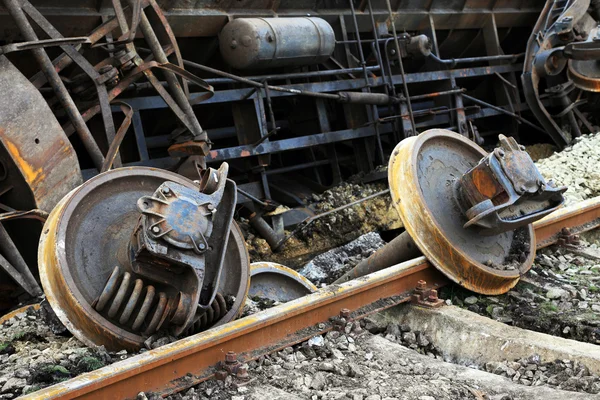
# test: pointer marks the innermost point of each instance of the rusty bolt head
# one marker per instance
(242, 373)
(230, 357)
(421, 284)
(345, 313)
(221, 375)
(432, 296)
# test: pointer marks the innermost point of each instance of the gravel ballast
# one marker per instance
(576, 167)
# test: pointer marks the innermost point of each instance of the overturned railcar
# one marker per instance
(294, 95)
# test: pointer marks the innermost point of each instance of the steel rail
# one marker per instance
(578, 218)
(184, 363)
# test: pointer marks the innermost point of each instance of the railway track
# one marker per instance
(182, 364)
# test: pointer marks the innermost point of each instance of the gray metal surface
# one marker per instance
(275, 42)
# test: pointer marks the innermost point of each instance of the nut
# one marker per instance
(230, 357)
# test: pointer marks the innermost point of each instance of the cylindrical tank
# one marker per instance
(275, 42)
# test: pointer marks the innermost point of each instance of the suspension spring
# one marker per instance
(217, 310)
(148, 315)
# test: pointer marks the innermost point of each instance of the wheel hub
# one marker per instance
(114, 281)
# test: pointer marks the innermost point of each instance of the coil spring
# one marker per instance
(113, 297)
(217, 310)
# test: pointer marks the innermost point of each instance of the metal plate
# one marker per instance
(422, 172)
(88, 234)
(277, 282)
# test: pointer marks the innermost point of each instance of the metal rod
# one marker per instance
(383, 75)
(401, 64)
(13, 255)
(437, 94)
(251, 197)
(310, 220)
(503, 111)
(454, 61)
(53, 78)
(174, 85)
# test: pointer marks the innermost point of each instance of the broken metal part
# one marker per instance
(38, 166)
(564, 32)
(277, 282)
(505, 190)
(422, 174)
(101, 289)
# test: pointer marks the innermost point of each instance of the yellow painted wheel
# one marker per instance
(88, 233)
(422, 174)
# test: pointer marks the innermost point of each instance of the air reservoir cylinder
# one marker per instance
(253, 43)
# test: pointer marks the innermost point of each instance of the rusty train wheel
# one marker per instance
(87, 234)
(421, 173)
(277, 282)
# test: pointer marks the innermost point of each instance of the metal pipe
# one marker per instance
(310, 220)
(401, 64)
(344, 97)
(53, 78)
(399, 250)
(274, 238)
(454, 61)
(13, 255)
(503, 111)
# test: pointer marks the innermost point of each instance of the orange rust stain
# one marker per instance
(484, 184)
(214, 153)
(30, 173)
(245, 153)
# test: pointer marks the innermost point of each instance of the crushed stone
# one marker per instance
(575, 167)
(329, 266)
(357, 363)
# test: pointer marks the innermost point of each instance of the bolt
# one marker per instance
(155, 229)
(201, 246)
(242, 373)
(233, 44)
(166, 191)
(345, 313)
(210, 207)
(231, 357)
(500, 152)
(521, 147)
(421, 285)
(433, 297)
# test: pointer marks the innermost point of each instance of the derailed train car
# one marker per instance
(293, 95)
